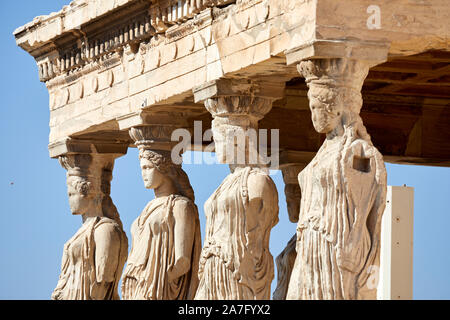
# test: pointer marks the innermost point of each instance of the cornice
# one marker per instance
(62, 48)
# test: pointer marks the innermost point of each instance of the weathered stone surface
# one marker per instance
(285, 263)
(292, 189)
(94, 257)
(166, 245)
(104, 60)
(285, 260)
(343, 190)
(235, 262)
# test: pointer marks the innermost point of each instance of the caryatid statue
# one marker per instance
(286, 259)
(166, 239)
(343, 190)
(93, 259)
(235, 262)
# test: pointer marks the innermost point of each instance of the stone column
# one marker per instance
(93, 259)
(235, 262)
(343, 189)
(166, 239)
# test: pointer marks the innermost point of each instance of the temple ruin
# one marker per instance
(349, 85)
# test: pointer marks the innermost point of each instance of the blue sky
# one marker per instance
(35, 220)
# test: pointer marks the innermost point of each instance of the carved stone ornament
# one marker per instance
(343, 190)
(166, 240)
(157, 137)
(166, 13)
(65, 96)
(235, 125)
(94, 84)
(94, 257)
(110, 78)
(80, 90)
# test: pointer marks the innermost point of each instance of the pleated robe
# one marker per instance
(229, 269)
(78, 279)
(338, 232)
(153, 254)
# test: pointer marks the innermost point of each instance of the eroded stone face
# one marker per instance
(234, 145)
(79, 199)
(326, 108)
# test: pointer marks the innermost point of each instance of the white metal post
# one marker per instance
(396, 260)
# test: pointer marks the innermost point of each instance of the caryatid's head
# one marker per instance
(80, 195)
(155, 166)
(83, 186)
(235, 127)
(326, 107)
(158, 169)
(235, 142)
(334, 91)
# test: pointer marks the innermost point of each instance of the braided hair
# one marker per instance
(163, 163)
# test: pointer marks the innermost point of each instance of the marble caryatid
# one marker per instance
(343, 190)
(285, 263)
(235, 262)
(285, 260)
(93, 259)
(166, 240)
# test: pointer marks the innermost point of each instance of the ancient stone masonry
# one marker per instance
(292, 189)
(116, 63)
(129, 73)
(166, 13)
(66, 59)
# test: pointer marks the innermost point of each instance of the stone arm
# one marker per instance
(262, 212)
(184, 233)
(363, 196)
(107, 254)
